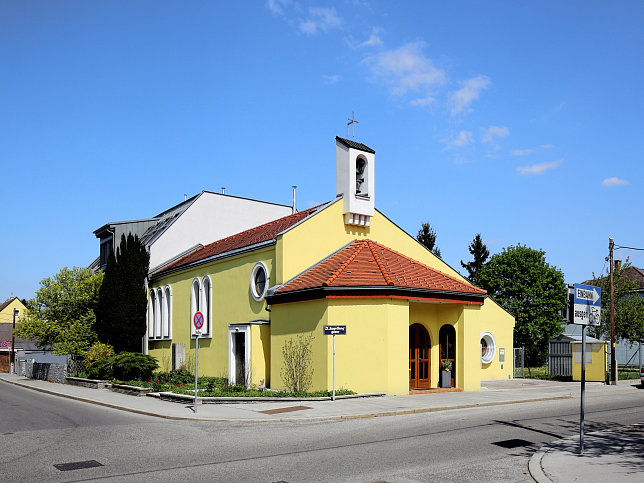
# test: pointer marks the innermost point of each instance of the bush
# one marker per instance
(297, 372)
(126, 366)
(99, 352)
(100, 369)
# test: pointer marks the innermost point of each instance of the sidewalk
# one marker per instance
(608, 456)
(492, 393)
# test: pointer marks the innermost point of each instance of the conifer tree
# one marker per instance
(479, 253)
(427, 236)
(122, 303)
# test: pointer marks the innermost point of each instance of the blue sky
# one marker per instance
(522, 121)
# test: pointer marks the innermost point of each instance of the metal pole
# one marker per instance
(13, 344)
(613, 363)
(333, 397)
(196, 366)
(583, 389)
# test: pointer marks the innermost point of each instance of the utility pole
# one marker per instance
(613, 364)
(13, 344)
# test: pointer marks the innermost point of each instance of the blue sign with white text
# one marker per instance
(587, 295)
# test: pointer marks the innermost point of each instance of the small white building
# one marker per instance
(193, 223)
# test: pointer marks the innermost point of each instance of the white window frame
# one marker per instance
(488, 357)
(151, 305)
(206, 304)
(253, 291)
(232, 366)
(167, 321)
(198, 302)
(158, 307)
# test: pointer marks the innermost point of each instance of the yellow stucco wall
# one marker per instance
(371, 357)
(232, 303)
(260, 354)
(596, 368)
(287, 322)
(330, 233)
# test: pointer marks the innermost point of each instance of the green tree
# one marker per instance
(122, 304)
(625, 316)
(479, 252)
(629, 318)
(61, 315)
(532, 291)
(427, 236)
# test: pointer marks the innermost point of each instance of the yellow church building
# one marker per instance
(406, 312)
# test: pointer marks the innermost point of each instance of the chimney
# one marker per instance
(223, 190)
(294, 190)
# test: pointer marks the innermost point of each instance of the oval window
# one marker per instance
(488, 347)
(259, 281)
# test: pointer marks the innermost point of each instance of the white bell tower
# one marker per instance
(355, 168)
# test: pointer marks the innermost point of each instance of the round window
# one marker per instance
(259, 281)
(488, 347)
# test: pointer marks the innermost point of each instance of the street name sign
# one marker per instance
(586, 304)
(335, 330)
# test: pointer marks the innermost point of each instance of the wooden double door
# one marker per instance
(419, 357)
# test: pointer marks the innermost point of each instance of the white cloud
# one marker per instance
(277, 6)
(331, 79)
(320, 20)
(537, 168)
(494, 132)
(374, 39)
(614, 182)
(463, 139)
(461, 100)
(407, 70)
(525, 152)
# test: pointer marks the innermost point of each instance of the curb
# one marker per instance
(286, 420)
(534, 465)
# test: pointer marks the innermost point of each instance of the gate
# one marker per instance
(560, 358)
(519, 366)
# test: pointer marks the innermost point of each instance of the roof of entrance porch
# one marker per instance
(367, 269)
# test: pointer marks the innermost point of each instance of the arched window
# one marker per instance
(207, 306)
(151, 307)
(158, 307)
(195, 303)
(167, 321)
(362, 177)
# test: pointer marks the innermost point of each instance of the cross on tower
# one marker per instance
(352, 122)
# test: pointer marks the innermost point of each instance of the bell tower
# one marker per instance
(355, 168)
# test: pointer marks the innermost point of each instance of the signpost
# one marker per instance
(586, 311)
(334, 330)
(197, 320)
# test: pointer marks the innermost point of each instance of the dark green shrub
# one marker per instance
(100, 369)
(129, 366)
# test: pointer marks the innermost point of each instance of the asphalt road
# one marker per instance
(481, 444)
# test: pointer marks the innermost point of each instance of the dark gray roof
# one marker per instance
(352, 144)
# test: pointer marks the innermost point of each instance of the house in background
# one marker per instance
(626, 352)
(6, 328)
(407, 313)
(195, 222)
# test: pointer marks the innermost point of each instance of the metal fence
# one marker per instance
(560, 358)
(519, 362)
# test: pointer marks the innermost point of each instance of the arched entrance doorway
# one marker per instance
(419, 348)
(447, 343)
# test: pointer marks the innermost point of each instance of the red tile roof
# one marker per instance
(258, 234)
(365, 263)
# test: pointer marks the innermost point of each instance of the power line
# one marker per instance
(629, 248)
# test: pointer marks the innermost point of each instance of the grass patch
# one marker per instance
(182, 382)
